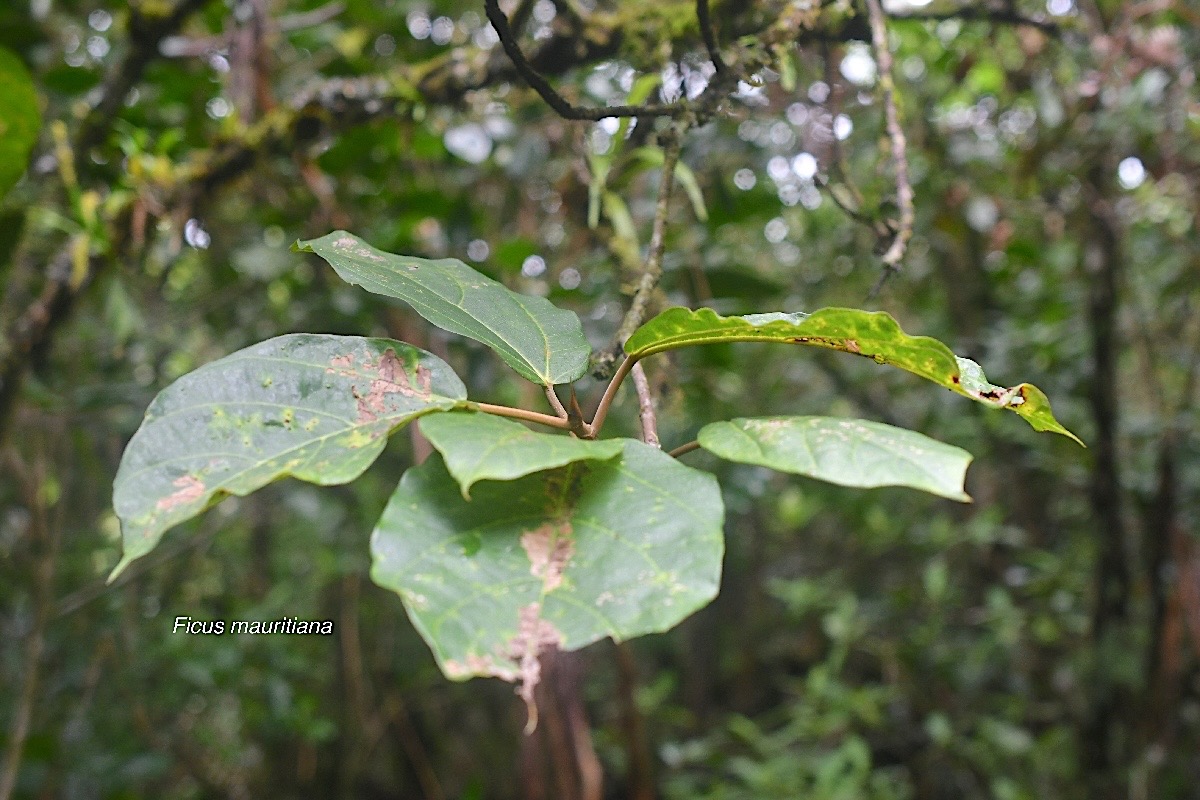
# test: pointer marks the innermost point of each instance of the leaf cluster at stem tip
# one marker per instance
(509, 541)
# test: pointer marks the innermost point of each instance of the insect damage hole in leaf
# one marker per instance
(871, 334)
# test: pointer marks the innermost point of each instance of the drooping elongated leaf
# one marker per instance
(309, 406)
(848, 452)
(613, 548)
(871, 334)
(479, 447)
(543, 343)
(20, 119)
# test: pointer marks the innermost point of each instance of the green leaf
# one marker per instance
(683, 174)
(687, 179)
(639, 94)
(543, 343)
(20, 121)
(598, 167)
(871, 334)
(1026, 399)
(848, 452)
(480, 447)
(787, 67)
(615, 548)
(618, 214)
(318, 408)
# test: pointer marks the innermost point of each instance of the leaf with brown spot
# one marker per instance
(873, 334)
(322, 416)
(534, 637)
(392, 380)
(549, 548)
(543, 343)
(190, 490)
(618, 547)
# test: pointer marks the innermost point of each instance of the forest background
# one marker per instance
(1042, 642)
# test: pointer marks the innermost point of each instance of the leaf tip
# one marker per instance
(1063, 431)
(125, 561)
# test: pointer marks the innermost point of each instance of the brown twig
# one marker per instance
(327, 106)
(645, 406)
(555, 403)
(45, 538)
(575, 419)
(637, 748)
(856, 214)
(570, 10)
(839, 165)
(651, 274)
(709, 35)
(904, 191)
(508, 40)
(610, 392)
(522, 414)
(521, 14)
(684, 449)
(652, 270)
